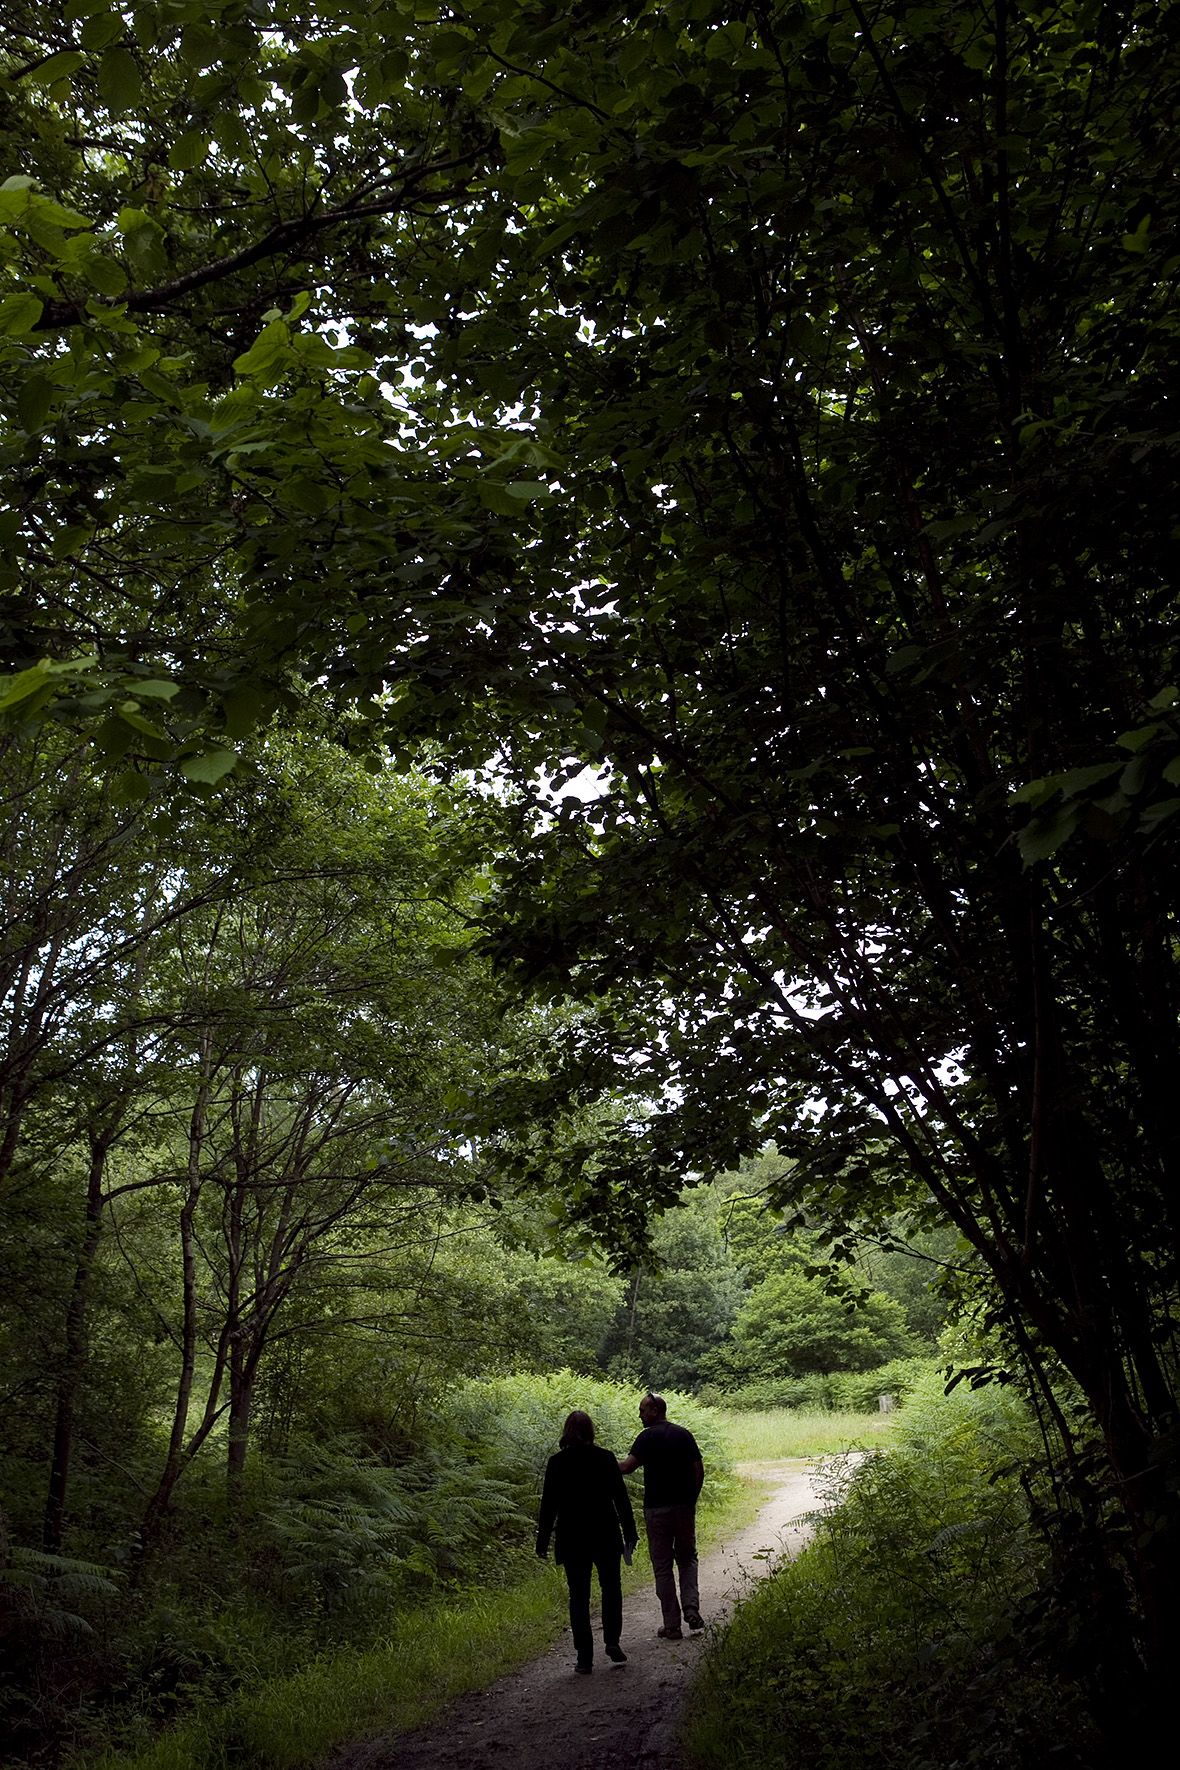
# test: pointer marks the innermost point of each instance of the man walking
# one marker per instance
(673, 1474)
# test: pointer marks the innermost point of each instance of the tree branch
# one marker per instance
(280, 238)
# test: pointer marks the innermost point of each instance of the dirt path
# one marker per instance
(624, 1717)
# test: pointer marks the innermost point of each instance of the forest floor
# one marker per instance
(627, 1717)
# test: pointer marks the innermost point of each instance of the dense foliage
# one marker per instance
(249, 1247)
(259, 1263)
(743, 431)
(733, 1296)
(912, 1630)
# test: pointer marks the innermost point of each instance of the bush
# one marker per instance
(836, 1391)
(814, 1393)
(515, 1422)
(894, 1641)
(860, 1390)
(351, 1534)
(332, 1548)
(53, 1612)
(793, 1326)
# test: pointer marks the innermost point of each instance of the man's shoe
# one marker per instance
(694, 1619)
(584, 1666)
(670, 1634)
(616, 1654)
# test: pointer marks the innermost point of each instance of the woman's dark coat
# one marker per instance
(585, 1502)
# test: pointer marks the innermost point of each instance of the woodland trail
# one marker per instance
(543, 1717)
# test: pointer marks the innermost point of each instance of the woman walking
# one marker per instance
(586, 1509)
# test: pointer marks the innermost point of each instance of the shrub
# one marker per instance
(520, 1417)
(851, 1391)
(812, 1393)
(791, 1326)
(895, 1639)
(515, 1422)
(860, 1390)
(353, 1534)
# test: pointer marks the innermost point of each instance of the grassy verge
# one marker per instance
(802, 1432)
(426, 1659)
(429, 1658)
(910, 1632)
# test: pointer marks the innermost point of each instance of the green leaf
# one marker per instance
(1079, 780)
(242, 708)
(232, 136)
(21, 687)
(58, 67)
(128, 788)
(1044, 836)
(270, 347)
(35, 401)
(68, 540)
(1139, 738)
(208, 766)
(19, 314)
(200, 45)
(119, 80)
(100, 29)
(131, 716)
(558, 237)
(1159, 812)
(189, 151)
(161, 386)
(113, 738)
(104, 274)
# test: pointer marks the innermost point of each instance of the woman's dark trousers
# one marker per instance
(578, 1564)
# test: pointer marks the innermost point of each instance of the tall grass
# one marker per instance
(428, 1658)
(801, 1432)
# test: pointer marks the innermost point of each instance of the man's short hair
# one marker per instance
(655, 1404)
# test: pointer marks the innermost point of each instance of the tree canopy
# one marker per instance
(790, 1326)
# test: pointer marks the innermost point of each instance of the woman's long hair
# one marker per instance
(578, 1429)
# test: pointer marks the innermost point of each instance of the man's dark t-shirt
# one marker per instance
(669, 1456)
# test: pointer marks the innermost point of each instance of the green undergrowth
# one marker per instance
(425, 1660)
(855, 1392)
(900, 1638)
(435, 1650)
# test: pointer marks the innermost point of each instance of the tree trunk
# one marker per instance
(241, 1383)
(178, 1455)
(74, 1356)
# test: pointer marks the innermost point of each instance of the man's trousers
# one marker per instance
(672, 1538)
